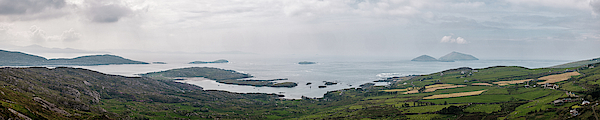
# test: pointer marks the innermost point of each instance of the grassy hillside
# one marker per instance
(85, 94)
(578, 63)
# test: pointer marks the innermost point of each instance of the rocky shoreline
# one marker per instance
(260, 83)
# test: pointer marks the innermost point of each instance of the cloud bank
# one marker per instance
(449, 39)
(301, 26)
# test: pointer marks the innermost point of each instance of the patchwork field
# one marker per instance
(557, 78)
(455, 95)
(446, 87)
(485, 108)
(503, 83)
(396, 90)
(482, 84)
(438, 85)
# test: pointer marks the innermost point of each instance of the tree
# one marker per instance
(445, 103)
(451, 110)
(422, 89)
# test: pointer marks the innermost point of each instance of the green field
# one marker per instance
(484, 108)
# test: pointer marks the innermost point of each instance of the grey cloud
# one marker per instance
(39, 35)
(70, 35)
(595, 4)
(108, 13)
(453, 22)
(16, 7)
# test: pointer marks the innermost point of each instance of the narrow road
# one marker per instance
(594, 109)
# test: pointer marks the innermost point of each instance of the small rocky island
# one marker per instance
(450, 57)
(456, 56)
(219, 75)
(425, 58)
(306, 63)
(204, 62)
(159, 63)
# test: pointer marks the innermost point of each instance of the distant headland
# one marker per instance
(219, 75)
(450, 57)
(10, 58)
(216, 61)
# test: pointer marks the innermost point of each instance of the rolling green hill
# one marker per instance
(578, 63)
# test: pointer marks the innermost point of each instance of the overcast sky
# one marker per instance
(548, 29)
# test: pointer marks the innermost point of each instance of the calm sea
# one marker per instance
(349, 72)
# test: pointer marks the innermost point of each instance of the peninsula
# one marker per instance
(10, 58)
(219, 75)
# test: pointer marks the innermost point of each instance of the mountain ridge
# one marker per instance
(14, 58)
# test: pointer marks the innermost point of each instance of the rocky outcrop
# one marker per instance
(19, 114)
(50, 106)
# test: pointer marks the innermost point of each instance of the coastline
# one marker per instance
(348, 74)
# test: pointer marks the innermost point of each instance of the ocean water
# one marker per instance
(349, 72)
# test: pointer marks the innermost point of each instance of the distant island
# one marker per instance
(306, 63)
(159, 63)
(216, 61)
(424, 58)
(10, 58)
(456, 56)
(450, 57)
(219, 75)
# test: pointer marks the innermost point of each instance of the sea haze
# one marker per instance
(349, 72)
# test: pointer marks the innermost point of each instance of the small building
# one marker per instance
(466, 80)
(574, 112)
(526, 86)
(585, 103)
(558, 102)
(550, 86)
